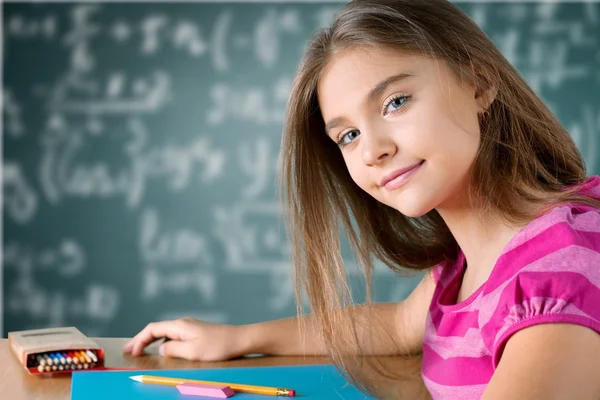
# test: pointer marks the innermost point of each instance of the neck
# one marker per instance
(481, 234)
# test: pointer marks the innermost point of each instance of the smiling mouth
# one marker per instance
(402, 178)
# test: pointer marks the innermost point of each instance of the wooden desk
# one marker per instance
(17, 384)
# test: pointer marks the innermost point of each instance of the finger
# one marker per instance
(153, 332)
(128, 347)
(180, 349)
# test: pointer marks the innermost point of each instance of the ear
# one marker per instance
(485, 91)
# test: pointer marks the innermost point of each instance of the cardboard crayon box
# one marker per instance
(55, 350)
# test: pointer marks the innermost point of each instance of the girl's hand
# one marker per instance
(190, 339)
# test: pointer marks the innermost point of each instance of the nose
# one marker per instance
(377, 145)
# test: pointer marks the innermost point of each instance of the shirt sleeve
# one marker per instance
(561, 287)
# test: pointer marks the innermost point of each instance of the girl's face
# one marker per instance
(389, 111)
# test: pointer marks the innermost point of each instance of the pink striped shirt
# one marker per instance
(549, 272)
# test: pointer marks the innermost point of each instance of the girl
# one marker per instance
(408, 125)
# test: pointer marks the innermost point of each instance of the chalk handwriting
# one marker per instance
(252, 236)
(158, 246)
(64, 173)
(259, 105)
(13, 122)
(155, 283)
(68, 259)
(20, 198)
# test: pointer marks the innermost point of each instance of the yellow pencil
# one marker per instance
(238, 387)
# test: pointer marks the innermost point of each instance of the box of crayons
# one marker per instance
(55, 350)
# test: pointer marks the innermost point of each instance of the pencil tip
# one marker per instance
(136, 378)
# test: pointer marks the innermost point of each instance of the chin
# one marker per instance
(413, 209)
(414, 213)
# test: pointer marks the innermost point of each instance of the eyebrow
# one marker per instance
(373, 95)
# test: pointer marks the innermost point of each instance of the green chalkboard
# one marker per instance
(140, 148)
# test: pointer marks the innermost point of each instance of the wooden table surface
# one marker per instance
(17, 384)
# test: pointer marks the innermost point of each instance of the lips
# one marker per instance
(393, 175)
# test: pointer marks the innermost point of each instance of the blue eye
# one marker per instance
(343, 142)
(395, 103)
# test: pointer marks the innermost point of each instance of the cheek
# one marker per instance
(356, 174)
(452, 128)
(457, 144)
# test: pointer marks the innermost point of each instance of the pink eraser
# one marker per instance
(195, 389)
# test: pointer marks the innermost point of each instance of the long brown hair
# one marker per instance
(526, 160)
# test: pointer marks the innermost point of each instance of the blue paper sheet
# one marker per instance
(310, 382)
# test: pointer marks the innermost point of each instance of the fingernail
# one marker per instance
(161, 350)
(127, 347)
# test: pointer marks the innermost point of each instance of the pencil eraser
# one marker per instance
(194, 389)
(292, 393)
